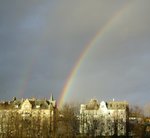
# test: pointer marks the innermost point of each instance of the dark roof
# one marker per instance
(16, 104)
(92, 105)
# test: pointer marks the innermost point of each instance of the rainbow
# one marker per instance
(99, 35)
(26, 73)
(25, 78)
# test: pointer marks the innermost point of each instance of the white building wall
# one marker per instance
(107, 119)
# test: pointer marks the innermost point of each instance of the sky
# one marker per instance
(42, 41)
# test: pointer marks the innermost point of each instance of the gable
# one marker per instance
(26, 105)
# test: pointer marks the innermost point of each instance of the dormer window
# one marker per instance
(110, 105)
(37, 106)
(16, 106)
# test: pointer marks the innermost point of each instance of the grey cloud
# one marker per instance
(43, 39)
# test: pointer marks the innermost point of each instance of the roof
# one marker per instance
(117, 105)
(92, 105)
(35, 103)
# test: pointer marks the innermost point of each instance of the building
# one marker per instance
(27, 117)
(104, 118)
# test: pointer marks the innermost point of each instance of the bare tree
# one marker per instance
(68, 123)
(94, 126)
(136, 118)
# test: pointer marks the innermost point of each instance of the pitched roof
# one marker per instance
(36, 103)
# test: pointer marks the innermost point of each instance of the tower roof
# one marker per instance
(51, 98)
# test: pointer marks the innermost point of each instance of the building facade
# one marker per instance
(27, 117)
(104, 118)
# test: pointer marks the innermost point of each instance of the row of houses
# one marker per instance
(96, 119)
